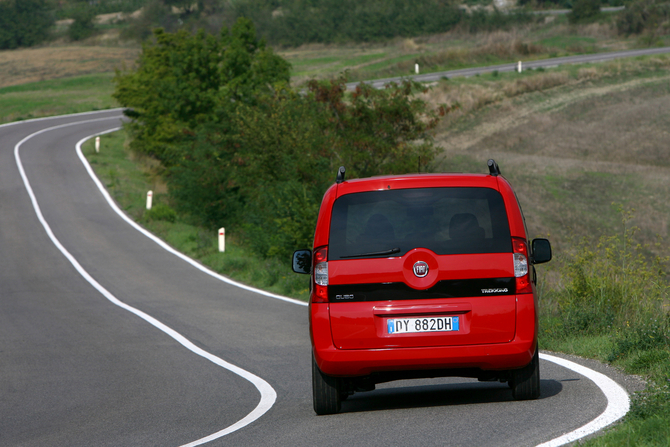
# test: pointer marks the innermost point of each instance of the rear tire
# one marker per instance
(525, 382)
(326, 391)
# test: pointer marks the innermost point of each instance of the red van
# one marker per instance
(417, 276)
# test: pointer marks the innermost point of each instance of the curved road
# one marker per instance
(78, 370)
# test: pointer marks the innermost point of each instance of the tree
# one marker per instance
(187, 81)
(584, 10)
(24, 23)
(243, 148)
(383, 131)
(83, 25)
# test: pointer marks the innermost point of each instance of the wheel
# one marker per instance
(525, 382)
(326, 391)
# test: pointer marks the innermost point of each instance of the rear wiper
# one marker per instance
(374, 253)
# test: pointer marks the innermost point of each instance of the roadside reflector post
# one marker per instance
(97, 144)
(416, 68)
(150, 195)
(519, 68)
(222, 240)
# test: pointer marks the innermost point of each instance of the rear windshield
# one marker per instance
(445, 220)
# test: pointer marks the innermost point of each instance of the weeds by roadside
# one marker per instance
(613, 306)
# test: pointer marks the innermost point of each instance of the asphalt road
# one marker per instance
(544, 63)
(78, 370)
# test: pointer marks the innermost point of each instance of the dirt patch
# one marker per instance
(39, 64)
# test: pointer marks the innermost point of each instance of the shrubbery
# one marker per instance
(83, 25)
(584, 10)
(652, 16)
(24, 23)
(297, 22)
(615, 296)
(244, 150)
(610, 287)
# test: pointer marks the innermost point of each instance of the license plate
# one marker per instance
(427, 324)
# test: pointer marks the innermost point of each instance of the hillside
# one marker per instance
(575, 151)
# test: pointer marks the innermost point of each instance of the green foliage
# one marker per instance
(24, 23)
(610, 286)
(616, 294)
(285, 150)
(83, 26)
(174, 15)
(383, 131)
(584, 11)
(652, 16)
(266, 171)
(296, 22)
(161, 211)
(645, 335)
(244, 150)
(187, 81)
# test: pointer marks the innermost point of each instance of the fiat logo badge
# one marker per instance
(420, 269)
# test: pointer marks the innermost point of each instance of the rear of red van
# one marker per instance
(421, 276)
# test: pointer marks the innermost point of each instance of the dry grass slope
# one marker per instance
(39, 64)
(573, 143)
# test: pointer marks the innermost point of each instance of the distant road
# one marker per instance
(566, 11)
(545, 63)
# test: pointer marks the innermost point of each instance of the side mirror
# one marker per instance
(302, 261)
(541, 251)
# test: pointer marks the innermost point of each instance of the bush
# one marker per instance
(185, 82)
(161, 211)
(642, 334)
(609, 288)
(644, 15)
(24, 23)
(267, 172)
(246, 151)
(83, 26)
(584, 11)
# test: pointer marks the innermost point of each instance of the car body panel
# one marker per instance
(498, 327)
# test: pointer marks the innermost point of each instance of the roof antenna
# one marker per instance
(494, 170)
(340, 175)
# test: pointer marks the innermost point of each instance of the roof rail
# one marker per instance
(494, 170)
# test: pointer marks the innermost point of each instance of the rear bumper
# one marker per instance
(361, 362)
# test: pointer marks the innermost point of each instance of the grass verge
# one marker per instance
(128, 178)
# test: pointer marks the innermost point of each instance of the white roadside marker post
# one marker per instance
(519, 69)
(222, 240)
(150, 195)
(97, 144)
(416, 68)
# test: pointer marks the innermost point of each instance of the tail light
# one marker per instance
(521, 270)
(320, 269)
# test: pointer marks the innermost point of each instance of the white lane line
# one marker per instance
(268, 394)
(48, 118)
(618, 402)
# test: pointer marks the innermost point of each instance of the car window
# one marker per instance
(444, 220)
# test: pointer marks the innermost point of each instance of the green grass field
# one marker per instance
(56, 97)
